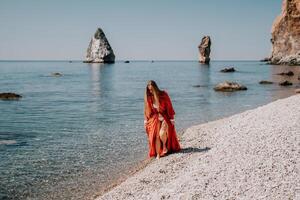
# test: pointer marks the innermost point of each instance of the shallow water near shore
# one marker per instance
(71, 136)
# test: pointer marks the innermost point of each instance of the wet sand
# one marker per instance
(251, 155)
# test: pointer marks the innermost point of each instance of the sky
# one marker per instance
(136, 29)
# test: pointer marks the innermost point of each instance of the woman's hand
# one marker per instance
(172, 121)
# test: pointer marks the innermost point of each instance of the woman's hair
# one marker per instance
(156, 93)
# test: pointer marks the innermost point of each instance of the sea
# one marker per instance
(76, 135)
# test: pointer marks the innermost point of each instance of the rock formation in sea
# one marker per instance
(289, 73)
(263, 82)
(204, 50)
(285, 83)
(56, 74)
(229, 87)
(286, 35)
(266, 59)
(228, 69)
(99, 50)
(10, 96)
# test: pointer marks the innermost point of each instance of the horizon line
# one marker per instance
(122, 60)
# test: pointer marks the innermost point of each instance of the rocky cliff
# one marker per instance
(99, 50)
(204, 50)
(286, 34)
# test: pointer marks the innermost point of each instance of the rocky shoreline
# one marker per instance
(286, 35)
(251, 155)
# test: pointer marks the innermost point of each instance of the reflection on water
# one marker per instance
(95, 77)
(204, 75)
(69, 137)
(95, 80)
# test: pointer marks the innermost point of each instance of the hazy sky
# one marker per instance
(137, 29)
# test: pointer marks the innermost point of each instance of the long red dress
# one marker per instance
(152, 126)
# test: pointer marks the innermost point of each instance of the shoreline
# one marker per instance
(161, 178)
(131, 172)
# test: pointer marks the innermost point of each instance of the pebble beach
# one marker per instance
(251, 155)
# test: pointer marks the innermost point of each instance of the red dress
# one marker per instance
(152, 125)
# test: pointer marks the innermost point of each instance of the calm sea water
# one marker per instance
(70, 136)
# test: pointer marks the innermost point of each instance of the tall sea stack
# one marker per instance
(204, 50)
(99, 50)
(286, 34)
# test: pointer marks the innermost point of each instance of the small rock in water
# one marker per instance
(229, 87)
(199, 86)
(127, 61)
(285, 83)
(297, 91)
(289, 73)
(228, 69)
(57, 74)
(10, 96)
(265, 82)
(265, 59)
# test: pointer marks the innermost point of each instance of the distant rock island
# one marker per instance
(204, 50)
(99, 50)
(286, 35)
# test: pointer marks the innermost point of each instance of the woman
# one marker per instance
(159, 121)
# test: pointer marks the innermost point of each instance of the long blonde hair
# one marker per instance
(147, 97)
